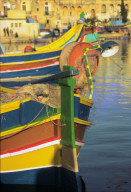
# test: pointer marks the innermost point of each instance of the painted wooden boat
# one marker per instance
(67, 56)
(44, 37)
(40, 144)
(44, 59)
(115, 28)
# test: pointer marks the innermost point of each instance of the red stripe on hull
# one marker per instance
(31, 65)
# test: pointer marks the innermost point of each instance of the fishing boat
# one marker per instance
(44, 37)
(115, 25)
(40, 145)
(19, 69)
(43, 125)
(27, 71)
(34, 62)
(48, 36)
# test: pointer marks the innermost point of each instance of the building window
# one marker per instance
(24, 6)
(79, 10)
(16, 25)
(11, 24)
(93, 13)
(37, 9)
(65, 11)
(20, 24)
(6, 8)
(103, 8)
(46, 9)
(127, 7)
(118, 8)
(111, 8)
(13, 7)
(72, 11)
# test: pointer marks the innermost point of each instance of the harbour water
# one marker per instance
(105, 159)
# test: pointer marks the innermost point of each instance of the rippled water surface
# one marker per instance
(105, 160)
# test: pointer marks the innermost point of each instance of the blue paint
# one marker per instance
(40, 72)
(29, 57)
(27, 112)
(9, 119)
(31, 110)
(54, 177)
(81, 111)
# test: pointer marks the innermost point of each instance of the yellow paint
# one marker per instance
(47, 156)
(56, 45)
(75, 30)
(6, 90)
(80, 121)
(86, 101)
(12, 105)
(42, 157)
(90, 97)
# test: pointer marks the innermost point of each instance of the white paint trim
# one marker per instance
(31, 168)
(30, 149)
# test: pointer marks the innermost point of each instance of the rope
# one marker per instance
(5, 137)
(52, 120)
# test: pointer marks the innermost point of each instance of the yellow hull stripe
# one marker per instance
(56, 45)
(12, 105)
(38, 158)
(84, 100)
(80, 121)
(42, 157)
(6, 90)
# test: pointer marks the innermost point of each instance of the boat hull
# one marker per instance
(32, 155)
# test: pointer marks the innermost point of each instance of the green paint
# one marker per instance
(67, 110)
(88, 69)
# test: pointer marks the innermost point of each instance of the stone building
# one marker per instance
(62, 12)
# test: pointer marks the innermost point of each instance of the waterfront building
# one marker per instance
(61, 12)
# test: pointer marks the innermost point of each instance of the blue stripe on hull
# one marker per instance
(40, 72)
(18, 84)
(30, 57)
(31, 72)
(56, 177)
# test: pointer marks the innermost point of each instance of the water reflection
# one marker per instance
(124, 52)
(19, 46)
(104, 161)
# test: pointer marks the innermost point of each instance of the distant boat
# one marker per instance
(115, 24)
(124, 37)
(47, 36)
